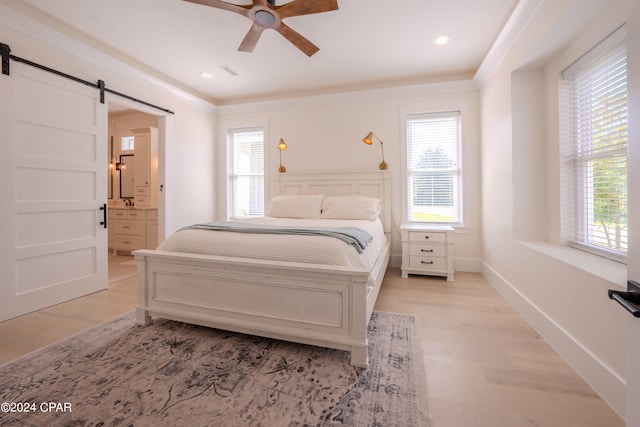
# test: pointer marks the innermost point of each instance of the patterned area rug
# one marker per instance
(175, 374)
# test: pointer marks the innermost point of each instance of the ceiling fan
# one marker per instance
(266, 15)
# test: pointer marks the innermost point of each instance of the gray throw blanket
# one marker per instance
(355, 237)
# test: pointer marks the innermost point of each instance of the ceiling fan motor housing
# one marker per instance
(265, 18)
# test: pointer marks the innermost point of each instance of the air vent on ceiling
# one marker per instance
(229, 70)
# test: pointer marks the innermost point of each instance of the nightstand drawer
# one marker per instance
(427, 236)
(427, 250)
(427, 263)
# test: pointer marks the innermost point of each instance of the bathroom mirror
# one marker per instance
(127, 174)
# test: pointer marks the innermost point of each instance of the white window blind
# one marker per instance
(598, 148)
(246, 177)
(433, 168)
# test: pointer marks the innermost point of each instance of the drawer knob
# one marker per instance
(426, 262)
(426, 250)
(426, 237)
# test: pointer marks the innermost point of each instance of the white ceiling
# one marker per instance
(364, 44)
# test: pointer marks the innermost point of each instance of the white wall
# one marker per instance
(324, 133)
(188, 153)
(561, 291)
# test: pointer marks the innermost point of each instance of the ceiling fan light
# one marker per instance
(265, 18)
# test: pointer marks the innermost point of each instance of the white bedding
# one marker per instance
(293, 248)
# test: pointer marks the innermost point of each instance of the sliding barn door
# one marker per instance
(53, 179)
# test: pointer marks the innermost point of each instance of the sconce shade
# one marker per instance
(369, 140)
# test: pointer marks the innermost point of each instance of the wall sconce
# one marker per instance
(281, 147)
(120, 166)
(115, 165)
(369, 140)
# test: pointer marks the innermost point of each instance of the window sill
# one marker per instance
(459, 228)
(606, 269)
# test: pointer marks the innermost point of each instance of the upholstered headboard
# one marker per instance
(365, 183)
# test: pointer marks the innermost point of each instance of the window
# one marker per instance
(433, 168)
(127, 143)
(246, 172)
(596, 150)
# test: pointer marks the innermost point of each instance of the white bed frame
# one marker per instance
(324, 305)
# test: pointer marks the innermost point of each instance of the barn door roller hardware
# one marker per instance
(5, 51)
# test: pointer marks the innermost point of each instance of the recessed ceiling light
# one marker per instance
(440, 40)
(206, 74)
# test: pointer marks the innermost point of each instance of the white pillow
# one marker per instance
(307, 207)
(351, 207)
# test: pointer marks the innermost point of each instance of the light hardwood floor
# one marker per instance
(485, 365)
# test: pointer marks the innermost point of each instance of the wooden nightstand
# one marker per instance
(427, 249)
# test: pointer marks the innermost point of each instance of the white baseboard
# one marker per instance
(603, 380)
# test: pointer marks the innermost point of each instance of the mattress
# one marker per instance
(293, 248)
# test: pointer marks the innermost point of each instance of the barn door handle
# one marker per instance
(103, 208)
(630, 299)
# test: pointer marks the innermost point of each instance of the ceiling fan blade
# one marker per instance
(297, 39)
(305, 7)
(251, 39)
(219, 4)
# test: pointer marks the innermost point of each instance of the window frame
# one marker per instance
(579, 153)
(231, 181)
(407, 115)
